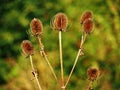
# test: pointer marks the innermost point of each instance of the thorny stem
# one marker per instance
(45, 56)
(90, 86)
(73, 67)
(61, 61)
(76, 59)
(35, 74)
(83, 39)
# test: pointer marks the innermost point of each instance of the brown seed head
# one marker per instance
(93, 74)
(88, 25)
(27, 48)
(60, 22)
(36, 27)
(86, 15)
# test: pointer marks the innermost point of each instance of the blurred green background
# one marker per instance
(102, 47)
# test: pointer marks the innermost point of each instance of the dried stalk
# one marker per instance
(35, 74)
(45, 56)
(78, 54)
(90, 86)
(61, 61)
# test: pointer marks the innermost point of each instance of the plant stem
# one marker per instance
(78, 54)
(84, 35)
(35, 74)
(45, 56)
(50, 67)
(90, 86)
(76, 59)
(61, 61)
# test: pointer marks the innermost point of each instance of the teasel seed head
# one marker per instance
(27, 48)
(36, 27)
(86, 15)
(93, 74)
(88, 25)
(60, 22)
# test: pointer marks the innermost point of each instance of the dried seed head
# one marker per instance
(93, 74)
(27, 48)
(86, 15)
(60, 22)
(88, 25)
(36, 27)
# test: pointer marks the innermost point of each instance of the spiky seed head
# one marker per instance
(85, 15)
(93, 74)
(88, 26)
(36, 27)
(27, 48)
(60, 22)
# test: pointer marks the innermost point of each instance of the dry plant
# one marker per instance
(28, 50)
(93, 74)
(60, 23)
